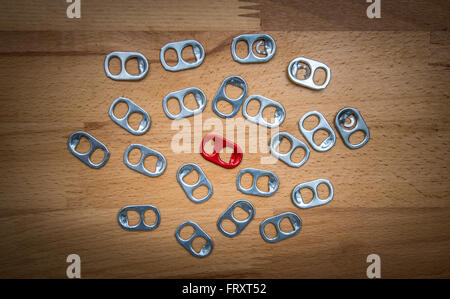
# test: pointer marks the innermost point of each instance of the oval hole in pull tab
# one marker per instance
(74, 140)
(207, 247)
(273, 182)
(280, 113)
(143, 65)
(179, 95)
(263, 51)
(198, 51)
(122, 218)
(145, 152)
(188, 189)
(287, 157)
(219, 144)
(132, 109)
(221, 95)
(316, 200)
(276, 220)
(349, 121)
(240, 224)
(328, 143)
(310, 67)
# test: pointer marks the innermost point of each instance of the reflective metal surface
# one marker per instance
(295, 143)
(202, 181)
(265, 54)
(328, 143)
(316, 201)
(240, 224)
(124, 57)
(349, 121)
(276, 220)
(310, 66)
(280, 113)
(257, 173)
(197, 48)
(198, 232)
(221, 95)
(145, 152)
(132, 108)
(199, 96)
(122, 217)
(74, 140)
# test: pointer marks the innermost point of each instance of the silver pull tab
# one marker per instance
(240, 224)
(256, 174)
(310, 66)
(122, 217)
(280, 113)
(199, 54)
(199, 96)
(276, 220)
(328, 143)
(295, 143)
(145, 152)
(124, 57)
(74, 140)
(202, 181)
(316, 201)
(132, 108)
(264, 41)
(221, 95)
(349, 121)
(198, 233)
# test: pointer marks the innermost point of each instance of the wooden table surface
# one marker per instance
(391, 196)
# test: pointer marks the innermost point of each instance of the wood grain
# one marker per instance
(391, 196)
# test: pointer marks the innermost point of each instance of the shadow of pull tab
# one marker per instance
(310, 66)
(124, 57)
(199, 53)
(262, 40)
(219, 144)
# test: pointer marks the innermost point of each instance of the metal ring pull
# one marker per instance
(132, 108)
(240, 224)
(197, 48)
(295, 143)
(354, 116)
(221, 95)
(310, 66)
(73, 142)
(280, 113)
(145, 152)
(276, 220)
(328, 143)
(198, 232)
(219, 144)
(122, 217)
(199, 96)
(316, 201)
(257, 173)
(124, 57)
(202, 181)
(265, 40)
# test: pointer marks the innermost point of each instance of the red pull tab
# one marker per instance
(219, 144)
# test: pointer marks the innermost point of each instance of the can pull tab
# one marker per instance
(219, 144)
